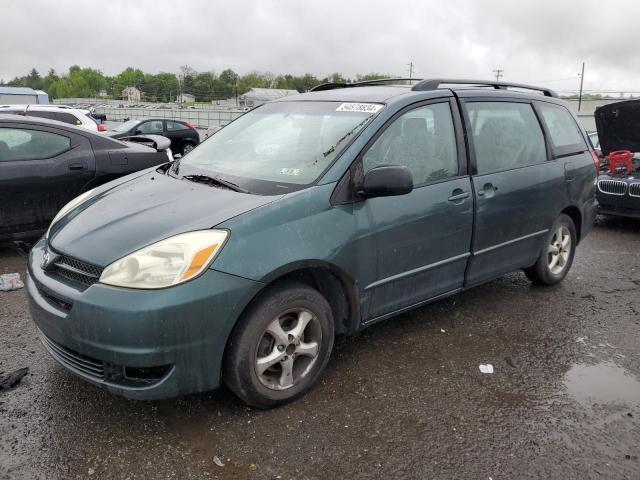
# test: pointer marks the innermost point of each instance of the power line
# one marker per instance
(498, 73)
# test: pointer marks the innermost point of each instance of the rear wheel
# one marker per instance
(280, 347)
(557, 254)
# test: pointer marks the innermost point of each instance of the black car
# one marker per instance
(618, 130)
(45, 163)
(182, 134)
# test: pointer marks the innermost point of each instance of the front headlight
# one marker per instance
(67, 208)
(166, 263)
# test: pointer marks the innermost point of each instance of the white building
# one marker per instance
(186, 98)
(258, 96)
(131, 94)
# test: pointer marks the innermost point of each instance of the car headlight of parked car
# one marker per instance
(67, 208)
(168, 262)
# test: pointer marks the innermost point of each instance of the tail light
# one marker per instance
(190, 126)
(101, 128)
(596, 161)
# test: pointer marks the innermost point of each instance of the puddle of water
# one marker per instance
(602, 383)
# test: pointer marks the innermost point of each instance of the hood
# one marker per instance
(114, 134)
(618, 126)
(120, 220)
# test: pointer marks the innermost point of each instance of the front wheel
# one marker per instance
(187, 147)
(280, 346)
(557, 254)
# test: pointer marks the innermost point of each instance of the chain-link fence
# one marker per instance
(201, 116)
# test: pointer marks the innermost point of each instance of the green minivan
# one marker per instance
(311, 216)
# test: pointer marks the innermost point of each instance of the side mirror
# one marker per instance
(387, 181)
(137, 131)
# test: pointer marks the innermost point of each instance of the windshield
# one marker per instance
(126, 126)
(279, 146)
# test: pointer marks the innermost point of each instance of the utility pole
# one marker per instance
(581, 75)
(410, 70)
(498, 73)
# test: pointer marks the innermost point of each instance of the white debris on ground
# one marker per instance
(10, 281)
(486, 368)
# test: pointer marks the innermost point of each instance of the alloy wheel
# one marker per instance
(559, 250)
(288, 349)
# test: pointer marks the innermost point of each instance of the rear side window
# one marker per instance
(173, 126)
(153, 126)
(22, 144)
(422, 140)
(49, 115)
(565, 134)
(505, 135)
(68, 118)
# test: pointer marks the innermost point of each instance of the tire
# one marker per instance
(266, 366)
(551, 267)
(186, 148)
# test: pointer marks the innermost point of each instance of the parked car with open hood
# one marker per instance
(183, 136)
(45, 163)
(309, 216)
(618, 127)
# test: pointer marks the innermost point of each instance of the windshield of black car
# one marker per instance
(126, 126)
(280, 146)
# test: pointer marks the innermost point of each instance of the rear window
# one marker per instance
(565, 134)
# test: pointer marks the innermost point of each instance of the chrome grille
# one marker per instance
(634, 189)
(73, 360)
(612, 187)
(76, 270)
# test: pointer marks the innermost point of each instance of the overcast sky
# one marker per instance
(539, 41)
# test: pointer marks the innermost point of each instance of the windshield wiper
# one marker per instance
(216, 181)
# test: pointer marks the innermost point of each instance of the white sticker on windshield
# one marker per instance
(290, 171)
(359, 107)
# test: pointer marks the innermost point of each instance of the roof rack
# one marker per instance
(378, 81)
(434, 84)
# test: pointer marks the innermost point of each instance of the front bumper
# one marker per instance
(143, 344)
(618, 211)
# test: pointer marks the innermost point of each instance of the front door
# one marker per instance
(41, 169)
(518, 189)
(423, 238)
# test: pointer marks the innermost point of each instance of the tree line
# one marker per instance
(165, 87)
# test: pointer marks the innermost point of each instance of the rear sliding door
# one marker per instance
(517, 188)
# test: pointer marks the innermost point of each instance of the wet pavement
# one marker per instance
(405, 399)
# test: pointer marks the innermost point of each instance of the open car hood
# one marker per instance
(618, 126)
(158, 142)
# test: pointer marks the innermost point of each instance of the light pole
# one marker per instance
(581, 75)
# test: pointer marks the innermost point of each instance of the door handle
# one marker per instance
(77, 166)
(458, 195)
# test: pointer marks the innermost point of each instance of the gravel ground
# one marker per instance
(405, 399)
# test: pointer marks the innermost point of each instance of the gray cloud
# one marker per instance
(543, 40)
